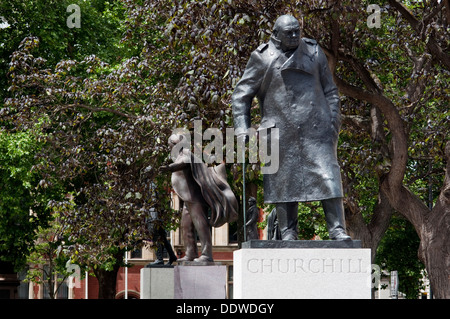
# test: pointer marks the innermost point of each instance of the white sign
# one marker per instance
(394, 283)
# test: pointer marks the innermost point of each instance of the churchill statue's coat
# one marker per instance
(297, 95)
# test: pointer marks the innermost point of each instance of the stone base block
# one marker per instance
(195, 281)
(200, 282)
(157, 282)
(254, 243)
(302, 273)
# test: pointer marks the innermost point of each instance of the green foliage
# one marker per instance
(47, 20)
(21, 212)
(311, 222)
(49, 257)
(67, 139)
(398, 251)
(95, 146)
(102, 122)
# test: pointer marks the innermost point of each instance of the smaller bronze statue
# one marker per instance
(273, 232)
(202, 189)
(159, 236)
(251, 226)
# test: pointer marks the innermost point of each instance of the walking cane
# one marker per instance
(243, 190)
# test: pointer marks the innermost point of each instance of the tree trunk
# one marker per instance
(369, 234)
(433, 228)
(434, 251)
(107, 281)
(434, 248)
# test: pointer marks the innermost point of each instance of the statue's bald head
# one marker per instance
(175, 139)
(285, 20)
(287, 31)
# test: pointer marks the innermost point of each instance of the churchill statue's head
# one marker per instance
(286, 33)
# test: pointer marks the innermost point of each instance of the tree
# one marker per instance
(18, 181)
(398, 251)
(107, 157)
(383, 82)
(47, 20)
(397, 98)
(47, 95)
(47, 261)
(107, 125)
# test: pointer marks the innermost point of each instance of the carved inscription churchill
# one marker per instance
(302, 273)
(298, 265)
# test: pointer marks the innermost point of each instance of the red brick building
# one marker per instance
(224, 243)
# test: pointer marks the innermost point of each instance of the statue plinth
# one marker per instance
(185, 280)
(198, 263)
(321, 269)
(200, 280)
(302, 244)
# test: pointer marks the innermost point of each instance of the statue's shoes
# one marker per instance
(185, 258)
(203, 258)
(342, 236)
(171, 260)
(158, 262)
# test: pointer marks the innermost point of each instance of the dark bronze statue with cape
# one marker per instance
(204, 191)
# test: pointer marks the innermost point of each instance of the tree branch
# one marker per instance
(363, 73)
(399, 154)
(335, 40)
(352, 91)
(433, 13)
(432, 44)
(381, 216)
(99, 109)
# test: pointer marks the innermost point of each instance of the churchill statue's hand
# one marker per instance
(164, 168)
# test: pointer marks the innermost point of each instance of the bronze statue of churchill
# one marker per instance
(291, 79)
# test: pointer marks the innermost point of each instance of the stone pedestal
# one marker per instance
(301, 270)
(157, 282)
(197, 281)
(184, 281)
